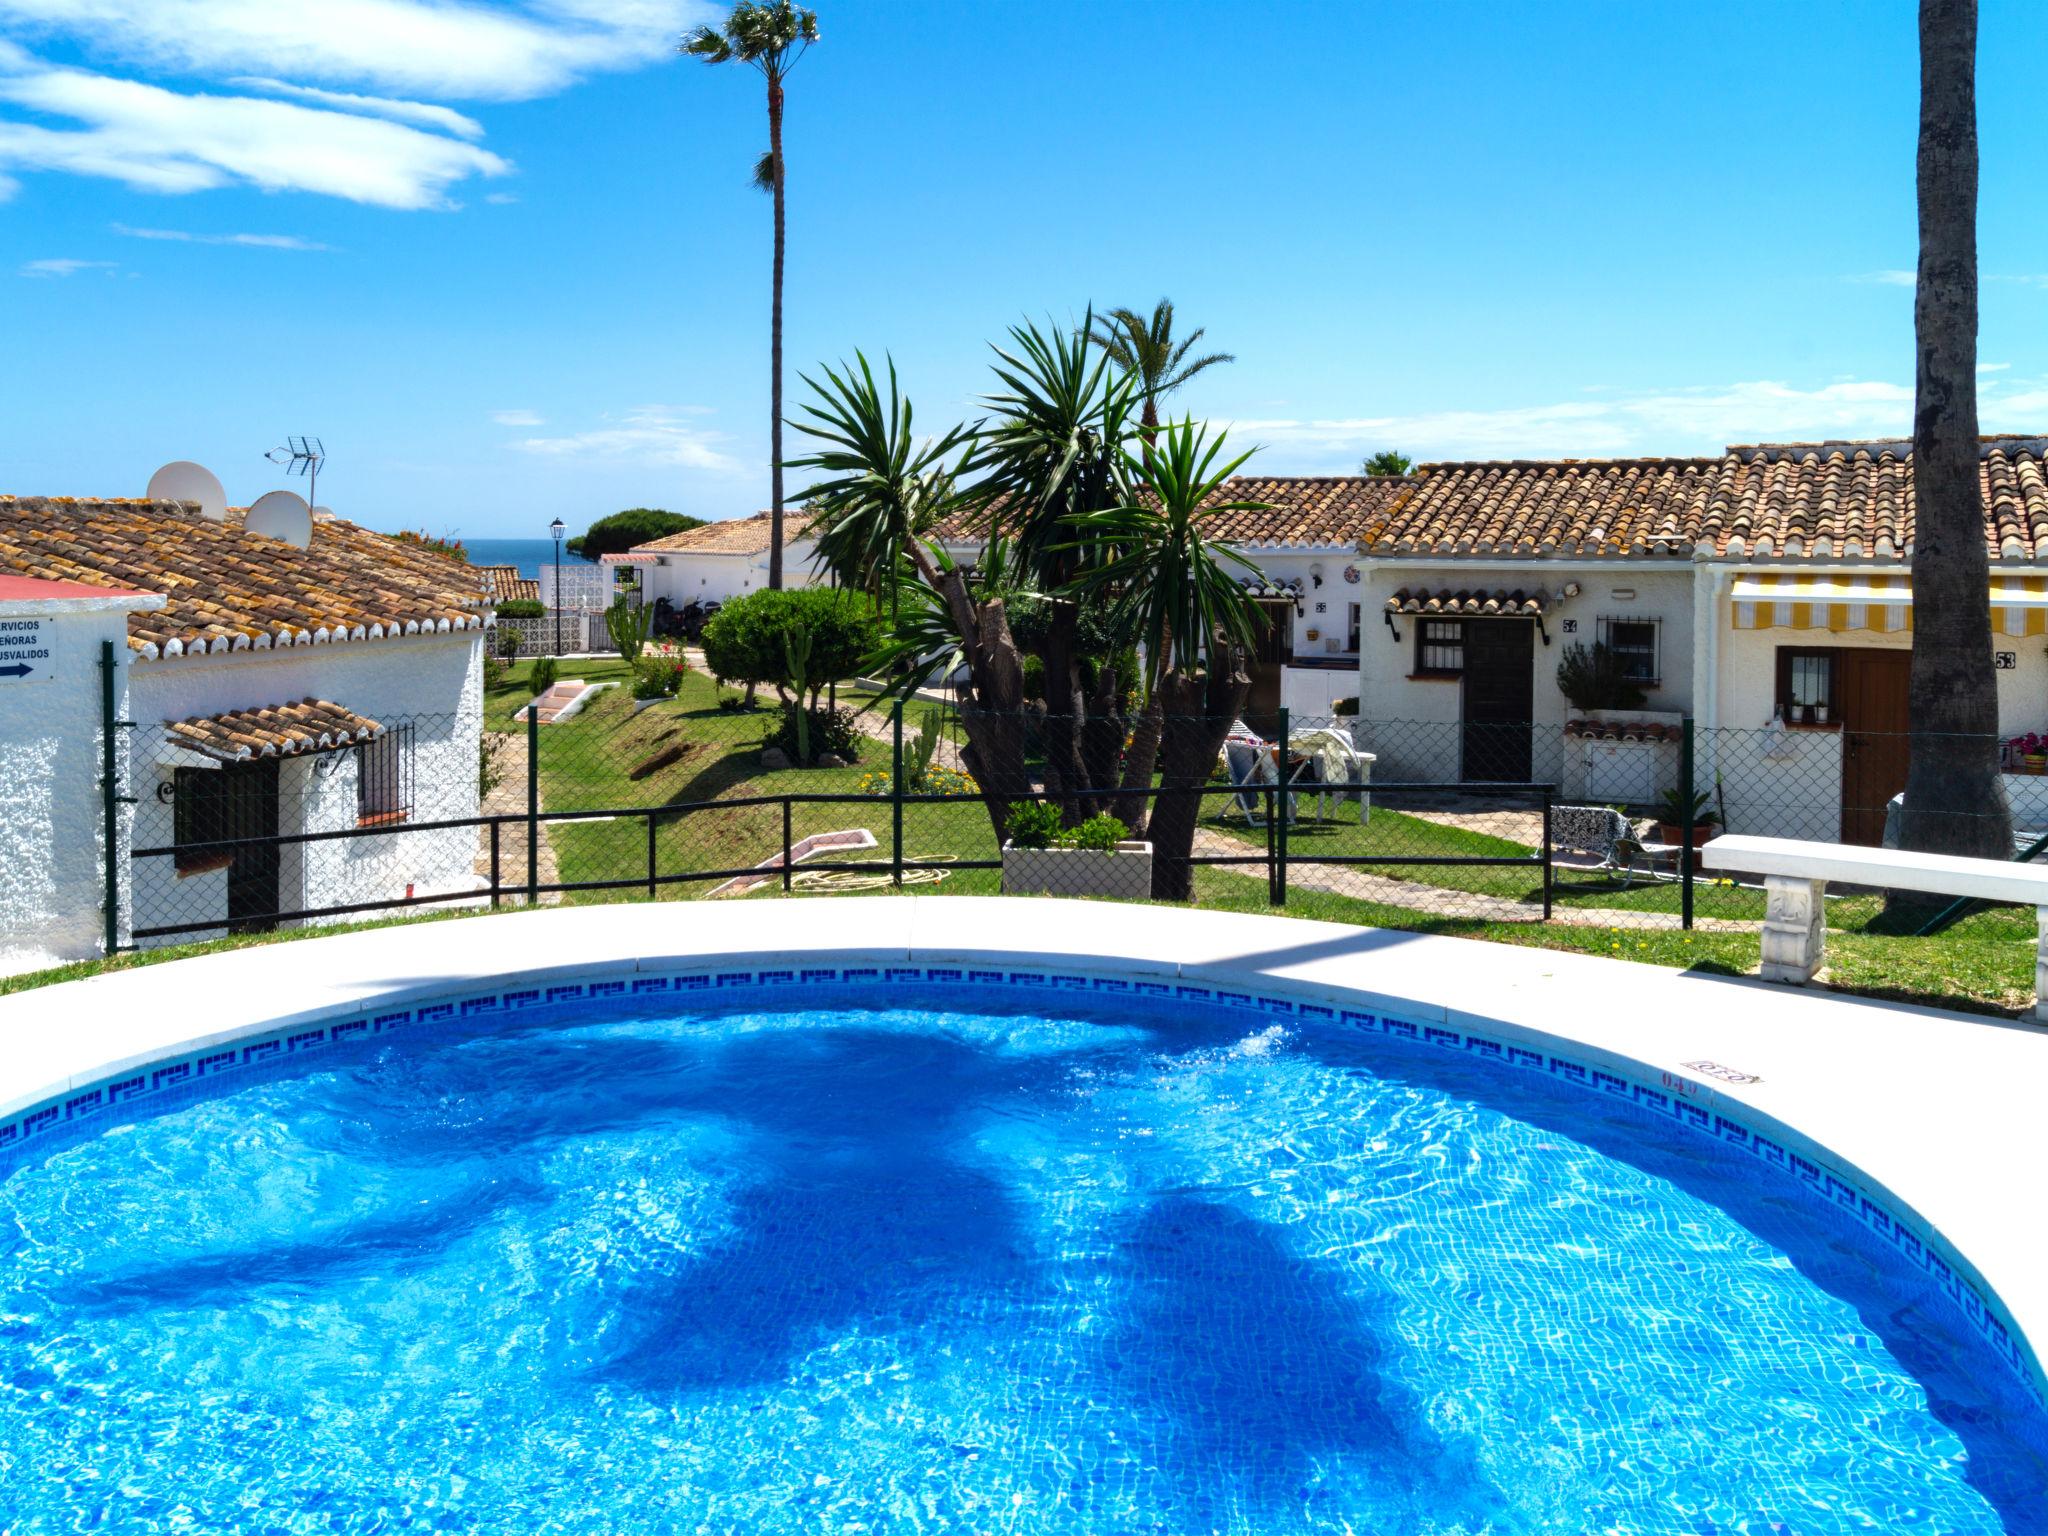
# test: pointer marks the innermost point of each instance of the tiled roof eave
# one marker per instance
(195, 643)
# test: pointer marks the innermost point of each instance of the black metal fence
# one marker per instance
(700, 795)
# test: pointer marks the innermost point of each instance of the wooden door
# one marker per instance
(1500, 696)
(1875, 746)
(249, 809)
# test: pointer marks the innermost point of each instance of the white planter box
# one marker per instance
(1125, 872)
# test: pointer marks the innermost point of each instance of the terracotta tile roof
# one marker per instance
(1466, 604)
(228, 589)
(1306, 509)
(1623, 730)
(278, 730)
(504, 584)
(1300, 510)
(1531, 507)
(1767, 501)
(733, 536)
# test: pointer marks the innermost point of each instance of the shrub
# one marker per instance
(1344, 708)
(658, 677)
(522, 608)
(540, 673)
(1594, 680)
(744, 640)
(947, 781)
(1034, 824)
(508, 643)
(1100, 832)
(829, 731)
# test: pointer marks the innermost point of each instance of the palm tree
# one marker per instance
(771, 35)
(1955, 802)
(1387, 462)
(1147, 349)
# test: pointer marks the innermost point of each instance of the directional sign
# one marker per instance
(28, 650)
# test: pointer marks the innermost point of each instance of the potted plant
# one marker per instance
(1671, 817)
(1041, 858)
(2028, 753)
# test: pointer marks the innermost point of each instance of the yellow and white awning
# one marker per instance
(1842, 602)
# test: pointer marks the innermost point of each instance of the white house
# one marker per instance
(720, 561)
(1304, 550)
(1765, 592)
(258, 688)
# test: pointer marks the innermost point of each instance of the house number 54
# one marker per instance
(1570, 626)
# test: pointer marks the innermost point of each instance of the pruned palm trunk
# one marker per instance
(1955, 801)
(1140, 759)
(1199, 708)
(775, 345)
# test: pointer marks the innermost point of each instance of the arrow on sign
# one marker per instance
(19, 669)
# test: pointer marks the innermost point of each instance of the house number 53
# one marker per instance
(2004, 661)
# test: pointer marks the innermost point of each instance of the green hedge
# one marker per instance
(743, 643)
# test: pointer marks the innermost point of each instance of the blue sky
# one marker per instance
(509, 265)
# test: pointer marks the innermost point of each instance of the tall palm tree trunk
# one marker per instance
(1955, 802)
(775, 344)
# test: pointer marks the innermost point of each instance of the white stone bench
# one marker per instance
(1796, 876)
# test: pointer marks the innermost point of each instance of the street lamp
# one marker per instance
(557, 528)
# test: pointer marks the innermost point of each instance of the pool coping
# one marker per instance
(1920, 1114)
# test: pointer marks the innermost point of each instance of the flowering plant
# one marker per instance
(2032, 744)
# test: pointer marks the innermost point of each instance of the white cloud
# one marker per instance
(63, 266)
(423, 113)
(518, 418)
(646, 434)
(1896, 277)
(160, 141)
(186, 237)
(454, 48)
(501, 198)
(1993, 367)
(1678, 421)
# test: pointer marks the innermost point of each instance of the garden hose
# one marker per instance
(831, 880)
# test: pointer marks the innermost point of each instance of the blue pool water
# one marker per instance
(915, 1271)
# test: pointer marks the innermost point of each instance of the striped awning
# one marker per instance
(1841, 602)
(1466, 604)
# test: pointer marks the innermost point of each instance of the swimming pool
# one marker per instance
(1013, 1259)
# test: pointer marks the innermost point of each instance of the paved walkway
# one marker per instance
(1359, 883)
(509, 799)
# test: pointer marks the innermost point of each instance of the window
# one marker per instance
(1440, 648)
(384, 777)
(1806, 685)
(199, 816)
(1351, 645)
(1633, 643)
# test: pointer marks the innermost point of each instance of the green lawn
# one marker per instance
(1985, 962)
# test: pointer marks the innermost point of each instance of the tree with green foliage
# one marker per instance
(621, 531)
(770, 35)
(1060, 501)
(745, 641)
(1146, 348)
(1387, 462)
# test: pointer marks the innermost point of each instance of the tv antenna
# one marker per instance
(302, 456)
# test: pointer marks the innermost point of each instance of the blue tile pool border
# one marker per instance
(222, 1067)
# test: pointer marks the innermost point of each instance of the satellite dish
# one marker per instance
(281, 515)
(183, 480)
(323, 514)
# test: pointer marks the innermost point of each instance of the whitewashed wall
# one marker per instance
(1391, 697)
(683, 577)
(435, 681)
(51, 829)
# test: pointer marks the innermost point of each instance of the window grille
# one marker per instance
(1634, 644)
(384, 776)
(1440, 647)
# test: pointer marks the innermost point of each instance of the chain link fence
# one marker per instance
(697, 792)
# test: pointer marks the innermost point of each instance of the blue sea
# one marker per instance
(528, 554)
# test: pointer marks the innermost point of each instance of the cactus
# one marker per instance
(796, 652)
